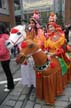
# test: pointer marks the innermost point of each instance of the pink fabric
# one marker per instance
(40, 38)
(36, 16)
(4, 52)
(40, 32)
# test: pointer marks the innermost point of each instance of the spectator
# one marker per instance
(15, 50)
(66, 31)
(69, 36)
(5, 58)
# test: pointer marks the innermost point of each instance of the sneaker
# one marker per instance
(6, 90)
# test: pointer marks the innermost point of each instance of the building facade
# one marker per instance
(67, 11)
(65, 7)
(24, 9)
(7, 12)
(43, 6)
(17, 10)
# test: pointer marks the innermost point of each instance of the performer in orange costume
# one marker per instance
(56, 41)
(56, 45)
(35, 31)
(56, 37)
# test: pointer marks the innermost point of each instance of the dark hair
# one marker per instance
(2, 28)
(35, 22)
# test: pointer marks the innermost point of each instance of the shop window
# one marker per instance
(4, 4)
(0, 4)
(18, 20)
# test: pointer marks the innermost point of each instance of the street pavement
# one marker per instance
(16, 75)
(25, 97)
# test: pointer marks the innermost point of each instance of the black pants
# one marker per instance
(7, 71)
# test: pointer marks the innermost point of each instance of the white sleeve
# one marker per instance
(70, 36)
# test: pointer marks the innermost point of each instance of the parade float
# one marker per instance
(51, 76)
(52, 65)
(49, 80)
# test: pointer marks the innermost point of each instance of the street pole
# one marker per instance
(22, 10)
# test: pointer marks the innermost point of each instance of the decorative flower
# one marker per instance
(59, 51)
(52, 65)
(24, 44)
(25, 62)
(68, 47)
(14, 30)
(52, 17)
(36, 14)
(36, 11)
(38, 75)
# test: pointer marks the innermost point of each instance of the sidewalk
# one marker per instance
(24, 97)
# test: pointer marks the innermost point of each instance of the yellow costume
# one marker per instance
(40, 38)
(56, 37)
(54, 42)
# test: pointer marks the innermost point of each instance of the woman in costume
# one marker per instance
(56, 44)
(55, 35)
(35, 33)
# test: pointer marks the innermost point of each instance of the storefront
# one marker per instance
(67, 11)
(7, 12)
(43, 6)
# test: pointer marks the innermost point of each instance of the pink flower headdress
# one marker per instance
(35, 18)
(52, 17)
